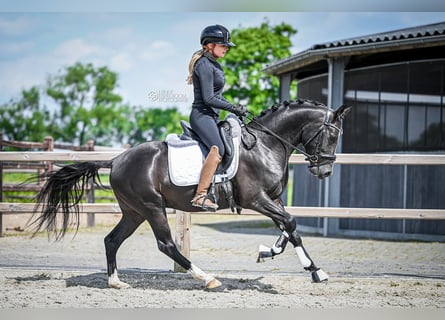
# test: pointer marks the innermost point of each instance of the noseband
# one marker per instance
(317, 158)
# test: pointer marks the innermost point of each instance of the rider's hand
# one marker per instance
(239, 110)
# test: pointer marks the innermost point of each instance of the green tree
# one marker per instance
(88, 104)
(86, 107)
(155, 124)
(255, 47)
(23, 118)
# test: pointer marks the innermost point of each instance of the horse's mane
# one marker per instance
(291, 103)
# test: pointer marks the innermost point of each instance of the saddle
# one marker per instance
(225, 131)
(186, 153)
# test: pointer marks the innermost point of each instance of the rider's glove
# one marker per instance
(239, 110)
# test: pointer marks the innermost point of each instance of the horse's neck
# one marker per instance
(289, 125)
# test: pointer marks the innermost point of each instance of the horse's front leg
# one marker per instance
(279, 245)
(318, 275)
(288, 225)
(277, 248)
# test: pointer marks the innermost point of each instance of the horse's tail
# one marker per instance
(62, 192)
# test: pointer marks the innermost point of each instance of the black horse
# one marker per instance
(140, 180)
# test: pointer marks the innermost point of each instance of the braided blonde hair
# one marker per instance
(195, 57)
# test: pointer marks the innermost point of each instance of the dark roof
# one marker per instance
(408, 38)
(429, 30)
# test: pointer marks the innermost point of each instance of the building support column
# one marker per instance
(332, 184)
(285, 81)
(284, 94)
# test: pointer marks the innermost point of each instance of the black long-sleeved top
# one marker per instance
(208, 84)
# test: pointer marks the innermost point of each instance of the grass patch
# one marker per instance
(18, 177)
(30, 179)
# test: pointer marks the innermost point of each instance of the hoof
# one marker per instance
(119, 285)
(319, 276)
(212, 284)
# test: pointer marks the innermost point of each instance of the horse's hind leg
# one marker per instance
(161, 229)
(127, 225)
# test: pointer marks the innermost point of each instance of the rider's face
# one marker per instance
(218, 50)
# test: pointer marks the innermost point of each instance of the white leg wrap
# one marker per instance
(319, 276)
(277, 250)
(263, 248)
(304, 260)
(114, 282)
(199, 274)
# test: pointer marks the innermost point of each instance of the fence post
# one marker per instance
(90, 198)
(49, 146)
(182, 237)
(1, 184)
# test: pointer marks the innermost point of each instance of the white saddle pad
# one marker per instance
(185, 160)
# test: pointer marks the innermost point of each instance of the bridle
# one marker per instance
(316, 159)
(319, 157)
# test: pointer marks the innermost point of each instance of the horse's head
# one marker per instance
(320, 140)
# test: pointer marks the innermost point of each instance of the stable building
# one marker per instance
(395, 82)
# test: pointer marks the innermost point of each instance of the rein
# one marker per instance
(313, 158)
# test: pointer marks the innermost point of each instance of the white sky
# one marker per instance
(150, 50)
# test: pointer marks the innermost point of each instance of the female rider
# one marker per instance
(207, 77)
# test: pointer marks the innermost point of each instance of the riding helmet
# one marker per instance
(216, 34)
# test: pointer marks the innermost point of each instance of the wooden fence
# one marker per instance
(47, 145)
(183, 218)
(377, 213)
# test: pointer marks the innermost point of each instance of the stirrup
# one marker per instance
(213, 207)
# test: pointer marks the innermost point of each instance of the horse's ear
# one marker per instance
(341, 112)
